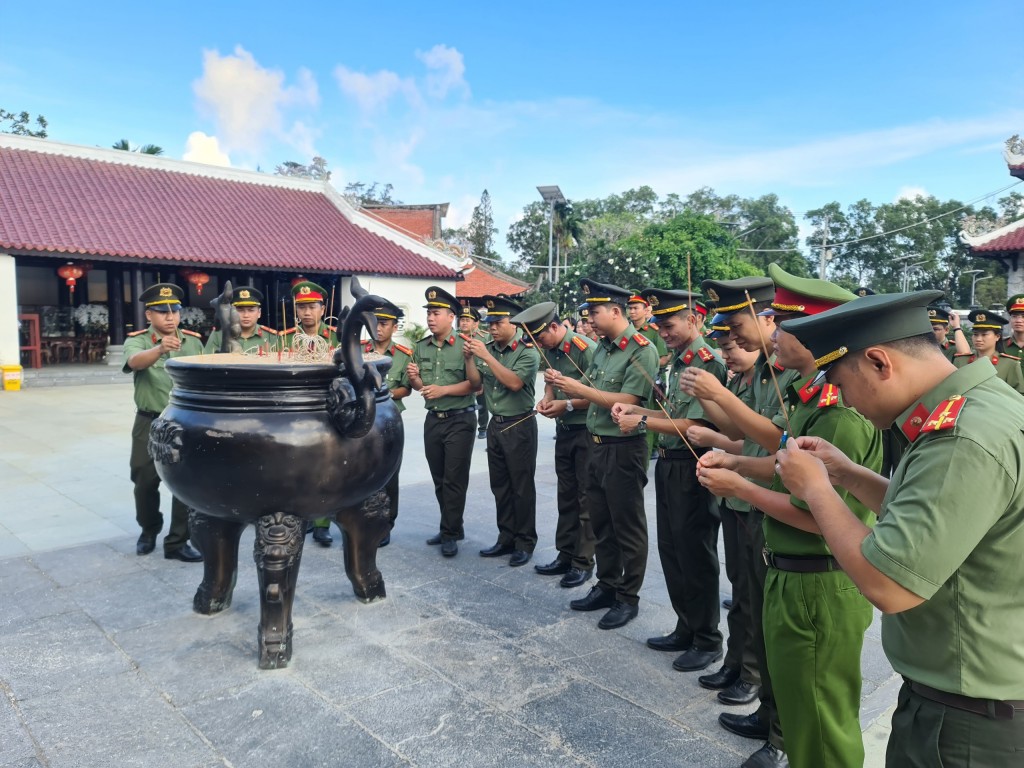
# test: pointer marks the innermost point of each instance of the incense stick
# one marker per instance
(771, 368)
(659, 393)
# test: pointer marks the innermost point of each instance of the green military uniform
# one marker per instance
(263, 340)
(618, 474)
(732, 297)
(1008, 367)
(954, 540)
(152, 393)
(650, 332)
(449, 424)
(512, 433)
(400, 356)
(1014, 306)
(814, 622)
(687, 513)
(324, 331)
(481, 335)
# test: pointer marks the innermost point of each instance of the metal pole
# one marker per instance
(824, 249)
(551, 237)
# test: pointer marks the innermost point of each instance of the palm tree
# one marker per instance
(145, 149)
(568, 228)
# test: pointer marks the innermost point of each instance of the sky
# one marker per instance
(815, 102)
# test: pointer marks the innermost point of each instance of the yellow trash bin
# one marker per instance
(12, 377)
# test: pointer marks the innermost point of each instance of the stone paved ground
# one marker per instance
(468, 661)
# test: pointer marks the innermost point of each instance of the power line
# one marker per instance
(882, 234)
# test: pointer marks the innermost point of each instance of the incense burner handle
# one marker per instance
(352, 397)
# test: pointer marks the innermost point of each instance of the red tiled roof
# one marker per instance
(61, 204)
(480, 281)
(1008, 239)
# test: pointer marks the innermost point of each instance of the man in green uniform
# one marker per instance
(469, 325)
(943, 563)
(739, 303)
(146, 353)
(986, 333)
(570, 354)
(688, 517)
(1014, 344)
(943, 323)
(438, 372)
(506, 369)
(622, 371)
(255, 339)
(639, 313)
(388, 315)
(309, 302)
(814, 618)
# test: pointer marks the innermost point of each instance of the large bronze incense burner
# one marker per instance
(277, 442)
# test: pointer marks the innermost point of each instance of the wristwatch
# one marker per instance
(569, 407)
(642, 426)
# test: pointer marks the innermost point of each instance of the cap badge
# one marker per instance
(980, 318)
(586, 289)
(713, 294)
(304, 290)
(862, 292)
(164, 292)
(932, 313)
(490, 303)
(243, 294)
(431, 294)
(653, 301)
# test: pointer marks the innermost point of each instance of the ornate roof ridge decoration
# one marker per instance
(1014, 152)
(977, 232)
(457, 252)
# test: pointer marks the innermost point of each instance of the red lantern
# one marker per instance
(70, 273)
(199, 279)
(297, 280)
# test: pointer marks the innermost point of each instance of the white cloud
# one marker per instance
(247, 101)
(460, 211)
(910, 193)
(200, 148)
(447, 71)
(372, 92)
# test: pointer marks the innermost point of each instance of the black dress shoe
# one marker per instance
(449, 547)
(673, 642)
(145, 544)
(595, 600)
(385, 541)
(554, 568)
(322, 536)
(767, 757)
(497, 550)
(436, 539)
(740, 692)
(481, 434)
(695, 659)
(619, 616)
(748, 726)
(185, 553)
(719, 680)
(519, 557)
(727, 604)
(575, 577)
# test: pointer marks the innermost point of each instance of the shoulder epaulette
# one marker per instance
(945, 414)
(192, 333)
(286, 331)
(829, 396)
(581, 345)
(332, 328)
(964, 354)
(271, 331)
(406, 350)
(528, 344)
(640, 339)
(706, 354)
(425, 338)
(1011, 357)
(137, 333)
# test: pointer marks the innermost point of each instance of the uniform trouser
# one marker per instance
(739, 650)
(512, 465)
(448, 446)
(574, 534)
(482, 415)
(147, 491)
(616, 490)
(814, 626)
(927, 734)
(688, 548)
(756, 570)
(391, 489)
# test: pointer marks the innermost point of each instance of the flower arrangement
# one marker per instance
(194, 319)
(93, 318)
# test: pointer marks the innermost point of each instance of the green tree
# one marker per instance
(481, 229)
(21, 124)
(374, 194)
(145, 149)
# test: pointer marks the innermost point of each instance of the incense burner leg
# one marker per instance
(362, 529)
(277, 552)
(217, 539)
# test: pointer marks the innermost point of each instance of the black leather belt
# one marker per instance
(674, 453)
(569, 427)
(505, 419)
(149, 414)
(453, 412)
(994, 710)
(800, 563)
(603, 440)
